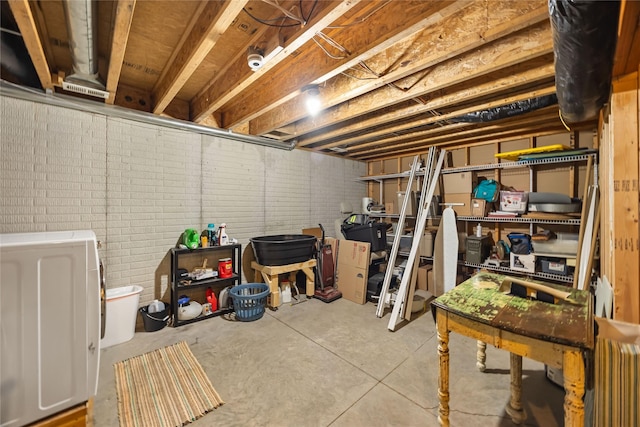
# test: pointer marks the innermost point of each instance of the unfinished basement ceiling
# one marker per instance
(393, 77)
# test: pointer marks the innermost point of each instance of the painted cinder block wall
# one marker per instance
(139, 185)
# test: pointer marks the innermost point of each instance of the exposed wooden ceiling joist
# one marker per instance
(122, 25)
(211, 23)
(394, 75)
(457, 33)
(217, 96)
(394, 22)
(26, 22)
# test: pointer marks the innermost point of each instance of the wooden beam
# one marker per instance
(454, 35)
(214, 20)
(214, 97)
(522, 133)
(437, 100)
(119, 38)
(625, 108)
(443, 117)
(467, 131)
(395, 22)
(26, 23)
(481, 62)
(627, 55)
(461, 138)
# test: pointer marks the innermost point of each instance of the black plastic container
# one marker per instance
(374, 233)
(283, 249)
(154, 321)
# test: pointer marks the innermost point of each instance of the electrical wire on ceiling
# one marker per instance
(301, 20)
(331, 42)
(366, 69)
(344, 73)
(361, 20)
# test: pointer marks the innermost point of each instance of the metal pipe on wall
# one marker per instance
(29, 94)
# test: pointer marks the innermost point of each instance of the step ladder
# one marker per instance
(431, 179)
(415, 165)
(431, 176)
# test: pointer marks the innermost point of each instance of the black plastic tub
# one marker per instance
(283, 249)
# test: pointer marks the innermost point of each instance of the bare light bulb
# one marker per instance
(312, 101)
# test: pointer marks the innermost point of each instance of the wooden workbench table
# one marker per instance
(554, 334)
(270, 276)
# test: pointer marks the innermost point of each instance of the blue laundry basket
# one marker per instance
(249, 300)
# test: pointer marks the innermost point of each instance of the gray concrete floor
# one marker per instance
(317, 364)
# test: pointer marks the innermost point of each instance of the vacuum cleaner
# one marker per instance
(325, 273)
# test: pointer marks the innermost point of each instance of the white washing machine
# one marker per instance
(50, 323)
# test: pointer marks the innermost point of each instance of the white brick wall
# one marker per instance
(138, 186)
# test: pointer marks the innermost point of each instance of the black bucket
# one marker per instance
(154, 321)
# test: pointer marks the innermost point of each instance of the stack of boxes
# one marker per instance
(458, 188)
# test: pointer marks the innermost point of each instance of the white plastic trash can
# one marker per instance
(122, 309)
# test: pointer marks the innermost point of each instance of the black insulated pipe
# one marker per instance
(507, 110)
(584, 40)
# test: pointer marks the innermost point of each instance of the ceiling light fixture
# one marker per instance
(312, 100)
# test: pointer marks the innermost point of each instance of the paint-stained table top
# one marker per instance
(479, 299)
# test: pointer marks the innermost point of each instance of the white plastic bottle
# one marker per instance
(286, 294)
(223, 239)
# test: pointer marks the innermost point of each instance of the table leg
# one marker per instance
(573, 372)
(274, 297)
(514, 408)
(481, 356)
(443, 378)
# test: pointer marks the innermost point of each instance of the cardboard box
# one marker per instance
(425, 279)
(352, 270)
(479, 207)
(426, 243)
(459, 182)
(464, 210)
(519, 262)
(389, 208)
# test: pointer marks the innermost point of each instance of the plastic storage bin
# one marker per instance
(249, 300)
(122, 310)
(374, 233)
(513, 201)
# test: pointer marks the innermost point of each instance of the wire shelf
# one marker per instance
(537, 274)
(560, 221)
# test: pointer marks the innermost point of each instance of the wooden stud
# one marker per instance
(624, 177)
(627, 58)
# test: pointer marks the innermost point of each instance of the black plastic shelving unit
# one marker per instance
(191, 258)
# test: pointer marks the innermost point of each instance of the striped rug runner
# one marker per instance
(163, 388)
